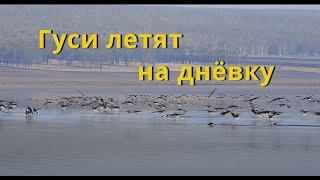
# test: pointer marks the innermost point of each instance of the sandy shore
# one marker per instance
(16, 82)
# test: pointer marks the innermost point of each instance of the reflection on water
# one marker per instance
(96, 144)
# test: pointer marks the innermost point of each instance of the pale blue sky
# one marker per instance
(268, 6)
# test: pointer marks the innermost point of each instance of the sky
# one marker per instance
(286, 6)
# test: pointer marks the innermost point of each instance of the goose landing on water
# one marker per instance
(32, 112)
(211, 124)
(176, 114)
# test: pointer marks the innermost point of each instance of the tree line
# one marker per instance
(208, 33)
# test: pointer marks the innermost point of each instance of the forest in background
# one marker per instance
(209, 33)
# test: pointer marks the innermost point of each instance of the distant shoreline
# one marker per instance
(71, 68)
(287, 57)
(172, 67)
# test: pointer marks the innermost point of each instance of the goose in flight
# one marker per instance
(31, 112)
(211, 124)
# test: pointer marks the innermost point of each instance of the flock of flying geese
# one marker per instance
(176, 106)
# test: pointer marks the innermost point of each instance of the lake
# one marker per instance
(81, 142)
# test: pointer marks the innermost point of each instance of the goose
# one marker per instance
(64, 105)
(257, 112)
(161, 111)
(31, 112)
(176, 114)
(252, 99)
(211, 124)
(233, 107)
(308, 98)
(12, 105)
(276, 99)
(317, 113)
(129, 102)
(211, 111)
(133, 111)
(95, 108)
(226, 112)
(272, 114)
(212, 92)
(2, 107)
(114, 107)
(48, 101)
(284, 105)
(235, 115)
(304, 112)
